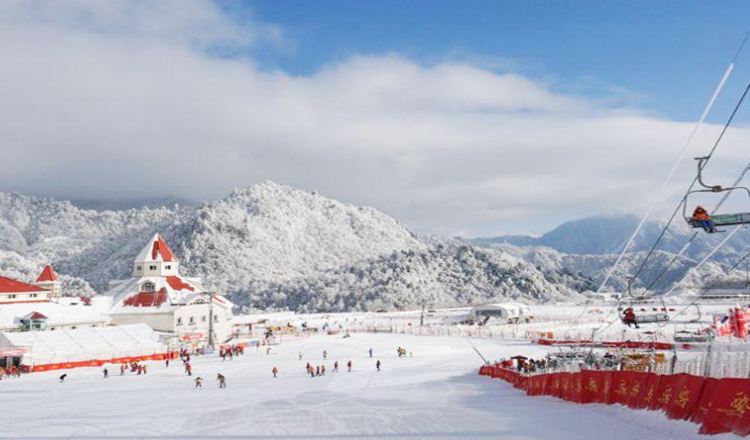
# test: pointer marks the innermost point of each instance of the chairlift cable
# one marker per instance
(709, 287)
(705, 113)
(695, 180)
(664, 185)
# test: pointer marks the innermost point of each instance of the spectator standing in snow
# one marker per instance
(336, 367)
(222, 380)
(370, 352)
(199, 382)
(274, 371)
(122, 370)
(349, 365)
(325, 354)
(377, 365)
(188, 369)
(106, 373)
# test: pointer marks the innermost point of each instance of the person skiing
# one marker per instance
(336, 367)
(322, 370)
(167, 363)
(325, 354)
(199, 382)
(106, 373)
(222, 380)
(122, 370)
(188, 369)
(370, 352)
(349, 366)
(62, 378)
(377, 364)
(317, 370)
(274, 371)
(300, 355)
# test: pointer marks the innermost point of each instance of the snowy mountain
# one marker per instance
(608, 234)
(440, 276)
(270, 245)
(274, 246)
(589, 248)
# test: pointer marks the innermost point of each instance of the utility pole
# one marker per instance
(211, 320)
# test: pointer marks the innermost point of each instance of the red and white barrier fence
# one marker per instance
(100, 362)
(717, 405)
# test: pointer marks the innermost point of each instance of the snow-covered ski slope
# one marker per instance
(436, 394)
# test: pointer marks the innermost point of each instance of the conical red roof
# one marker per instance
(47, 275)
(161, 248)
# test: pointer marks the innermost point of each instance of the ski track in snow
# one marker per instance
(437, 394)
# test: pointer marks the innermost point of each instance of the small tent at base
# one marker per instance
(93, 346)
(506, 312)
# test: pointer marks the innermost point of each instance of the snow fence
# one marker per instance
(717, 405)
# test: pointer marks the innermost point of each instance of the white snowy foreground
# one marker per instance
(434, 394)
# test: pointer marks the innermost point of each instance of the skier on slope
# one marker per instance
(199, 382)
(274, 371)
(349, 365)
(222, 380)
(377, 364)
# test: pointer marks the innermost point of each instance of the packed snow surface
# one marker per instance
(437, 393)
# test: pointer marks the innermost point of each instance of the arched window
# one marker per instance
(148, 286)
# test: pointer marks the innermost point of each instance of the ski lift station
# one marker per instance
(507, 312)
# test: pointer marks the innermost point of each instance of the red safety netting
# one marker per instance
(718, 405)
(100, 362)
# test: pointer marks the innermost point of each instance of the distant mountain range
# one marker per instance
(271, 246)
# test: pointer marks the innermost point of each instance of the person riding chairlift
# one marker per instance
(701, 216)
(629, 317)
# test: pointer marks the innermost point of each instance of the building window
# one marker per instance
(152, 267)
(33, 295)
(216, 318)
(203, 318)
(12, 296)
(139, 268)
(168, 267)
(179, 321)
(192, 320)
(148, 286)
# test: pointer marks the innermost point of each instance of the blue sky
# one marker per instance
(471, 118)
(667, 56)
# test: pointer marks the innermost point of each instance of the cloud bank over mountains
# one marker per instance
(127, 99)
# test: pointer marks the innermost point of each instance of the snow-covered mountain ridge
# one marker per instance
(271, 245)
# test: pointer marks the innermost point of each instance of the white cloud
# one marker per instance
(128, 99)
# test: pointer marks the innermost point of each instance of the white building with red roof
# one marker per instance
(46, 287)
(159, 296)
(39, 306)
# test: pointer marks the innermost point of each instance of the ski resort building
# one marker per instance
(45, 288)
(159, 296)
(40, 306)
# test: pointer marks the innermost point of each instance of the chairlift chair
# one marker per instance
(742, 218)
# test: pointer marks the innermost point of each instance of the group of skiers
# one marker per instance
(230, 352)
(220, 377)
(12, 371)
